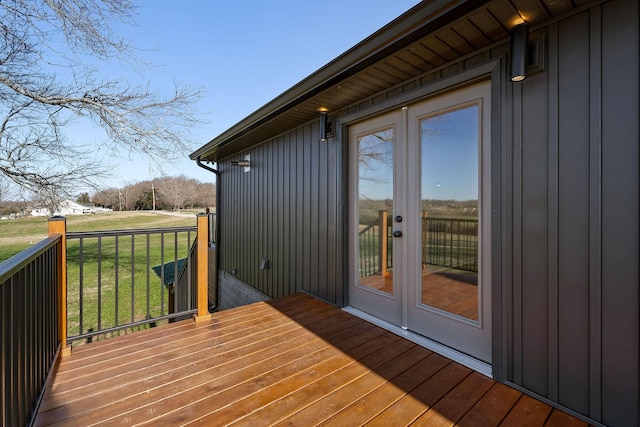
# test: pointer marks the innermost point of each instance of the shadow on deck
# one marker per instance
(291, 361)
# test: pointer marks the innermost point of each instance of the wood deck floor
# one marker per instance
(291, 361)
(455, 292)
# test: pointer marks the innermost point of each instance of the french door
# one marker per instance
(419, 223)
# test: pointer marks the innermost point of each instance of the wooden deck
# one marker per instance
(292, 361)
(455, 292)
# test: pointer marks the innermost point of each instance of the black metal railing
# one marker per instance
(446, 242)
(182, 295)
(450, 242)
(122, 279)
(29, 327)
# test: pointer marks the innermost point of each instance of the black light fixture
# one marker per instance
(245, 163)
(519, 54)
(241, 163)
(323, 128)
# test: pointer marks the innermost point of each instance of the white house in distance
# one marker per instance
(69, 207)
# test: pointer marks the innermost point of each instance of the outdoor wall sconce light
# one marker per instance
(241, 163)
(246, 163)
(519, 54)
(325, 126)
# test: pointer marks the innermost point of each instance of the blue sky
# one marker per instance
(242, 53)
(448, 158)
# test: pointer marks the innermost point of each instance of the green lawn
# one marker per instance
(19, 234)
(127, 282)
(107, 291)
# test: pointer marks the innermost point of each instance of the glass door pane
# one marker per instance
(449, 211)
(375, 209)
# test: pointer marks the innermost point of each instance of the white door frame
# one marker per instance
(400, 308)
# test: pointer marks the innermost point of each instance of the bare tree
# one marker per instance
(6, 190)
(206, 195)
(50, 54)
(108, 198)
(177, 191)
(48, 198)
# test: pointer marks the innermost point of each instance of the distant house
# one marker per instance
(359, 185)
(69, 207)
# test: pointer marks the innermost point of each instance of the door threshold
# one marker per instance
(461, 358)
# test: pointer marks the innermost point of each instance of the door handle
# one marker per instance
(397, 233)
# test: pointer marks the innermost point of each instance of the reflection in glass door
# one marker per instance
(375, 275)
(449, 291)
(419, 192)
(449, 144)
(375, 208)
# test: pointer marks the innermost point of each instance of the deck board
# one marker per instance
(291, 361)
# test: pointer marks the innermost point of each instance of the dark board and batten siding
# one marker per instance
(573, 331)
(285, 210)
(620, 201)
(568, 168)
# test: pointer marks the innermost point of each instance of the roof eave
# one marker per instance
(413, 24)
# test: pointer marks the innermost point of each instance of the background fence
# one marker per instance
(124, 279)
(446, 242)
(29, 339)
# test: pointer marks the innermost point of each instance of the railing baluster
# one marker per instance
(99, 284)
(133, 281)
(21, 314)
(162, 281)
(81, 286)
(190, 272)
(175, 272)
(117, 281)
(148, 278)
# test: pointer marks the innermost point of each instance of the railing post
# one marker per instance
(424, 224)
(58, 225)
(383, 242)
(202, 272)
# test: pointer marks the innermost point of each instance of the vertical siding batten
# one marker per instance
(595, 214)
(620, 202)
(314, 191)
(270, 226)
(306, 266)
(274, 242)
(254, 204)
(573, 238)
(299, 209)
(552, 214)
(516, 236)
(287, 178)
(333, 196)
(499, 222)
(534, 234)
(323, 220)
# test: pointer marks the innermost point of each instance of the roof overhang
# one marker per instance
(410, 26)
(430, 35)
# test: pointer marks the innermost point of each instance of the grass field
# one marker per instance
(121, 279)
(19, 234)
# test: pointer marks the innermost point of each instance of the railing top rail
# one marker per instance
(14, 264)
(137, 231)
(436, 218)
